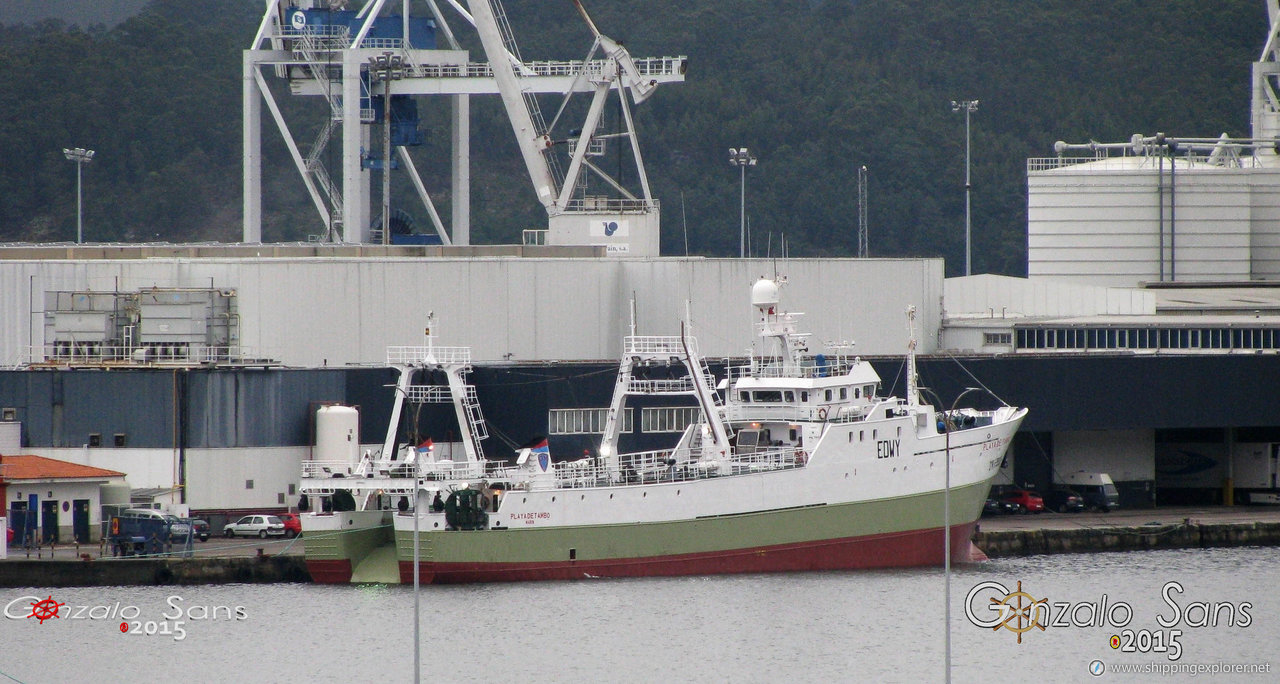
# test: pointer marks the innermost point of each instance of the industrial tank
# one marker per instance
(337, 434)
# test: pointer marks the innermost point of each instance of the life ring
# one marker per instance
(822, 413)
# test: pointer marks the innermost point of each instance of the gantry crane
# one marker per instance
(325, 49)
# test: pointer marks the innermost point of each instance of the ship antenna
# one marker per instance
(913, 392)
(633, 313)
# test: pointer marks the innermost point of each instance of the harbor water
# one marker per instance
(815, 627)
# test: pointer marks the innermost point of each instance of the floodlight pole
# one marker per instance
(80, 156)
(969, 107)
(742, 158)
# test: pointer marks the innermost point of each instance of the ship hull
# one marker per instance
(335, 546)
(898, 532)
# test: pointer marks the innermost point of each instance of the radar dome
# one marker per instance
(764, 293)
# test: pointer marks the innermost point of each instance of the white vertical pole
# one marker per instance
(252, 142)
(968, 257)
(461, 200)
(417, 498)
(79, 205)
(742, 214)
(946, 545)
(355, 183)
(386, 155)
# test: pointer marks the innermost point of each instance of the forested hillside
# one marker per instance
(815, 89)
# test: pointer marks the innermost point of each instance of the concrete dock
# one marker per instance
(1128, 530)
(217, 561)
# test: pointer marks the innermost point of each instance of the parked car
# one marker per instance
(201, 528)
(179, 529)
(995, 506)
(292, 524)
(262, 526)
(1063, 500)
(1027, 502)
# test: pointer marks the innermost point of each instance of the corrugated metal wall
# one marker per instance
(316, 312)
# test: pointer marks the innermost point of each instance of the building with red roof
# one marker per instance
(65, 497)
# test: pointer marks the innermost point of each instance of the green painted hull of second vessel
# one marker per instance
(333, 555)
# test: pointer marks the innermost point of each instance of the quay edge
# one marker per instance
(16, 572)
(1187, 534)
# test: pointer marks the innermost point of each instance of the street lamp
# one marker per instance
(386, 67)
(969, 107)
(741, 158)
(80, 156)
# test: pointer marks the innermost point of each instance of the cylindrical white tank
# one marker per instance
(338, 434)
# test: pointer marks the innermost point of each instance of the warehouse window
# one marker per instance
(997, 338)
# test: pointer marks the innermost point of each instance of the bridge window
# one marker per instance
(668, 418)
(583, 421)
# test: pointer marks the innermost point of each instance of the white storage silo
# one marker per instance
(338, 434)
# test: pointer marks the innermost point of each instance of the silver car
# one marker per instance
(179, 529)
(261, 526)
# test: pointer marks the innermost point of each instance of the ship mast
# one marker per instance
(913, 381)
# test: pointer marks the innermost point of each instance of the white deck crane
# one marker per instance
(323, 49)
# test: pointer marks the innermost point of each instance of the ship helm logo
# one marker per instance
(544, 460)
(1016, 611)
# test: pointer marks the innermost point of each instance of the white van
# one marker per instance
(1097, 489)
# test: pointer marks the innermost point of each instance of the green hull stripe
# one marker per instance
(353, 545)
(702, 535)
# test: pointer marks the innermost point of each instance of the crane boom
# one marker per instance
(533, 143)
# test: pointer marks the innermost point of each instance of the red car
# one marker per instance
(1027, 502)
(292, 524)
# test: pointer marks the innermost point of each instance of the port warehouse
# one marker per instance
(234, 437)
(312, 329)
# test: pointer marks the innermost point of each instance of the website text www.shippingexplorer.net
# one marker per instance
(1099, 668)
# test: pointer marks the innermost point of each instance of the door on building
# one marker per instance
(18, 522)
(80, 520)
(49, 521)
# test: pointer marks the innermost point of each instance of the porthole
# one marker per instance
(583, 497)
(610, 496)
(644, 494)
(553, 498)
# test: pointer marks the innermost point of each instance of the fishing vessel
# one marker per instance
(800, 465)
(347, 534)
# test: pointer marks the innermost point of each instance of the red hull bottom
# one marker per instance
(337, 571)
(895, 550)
